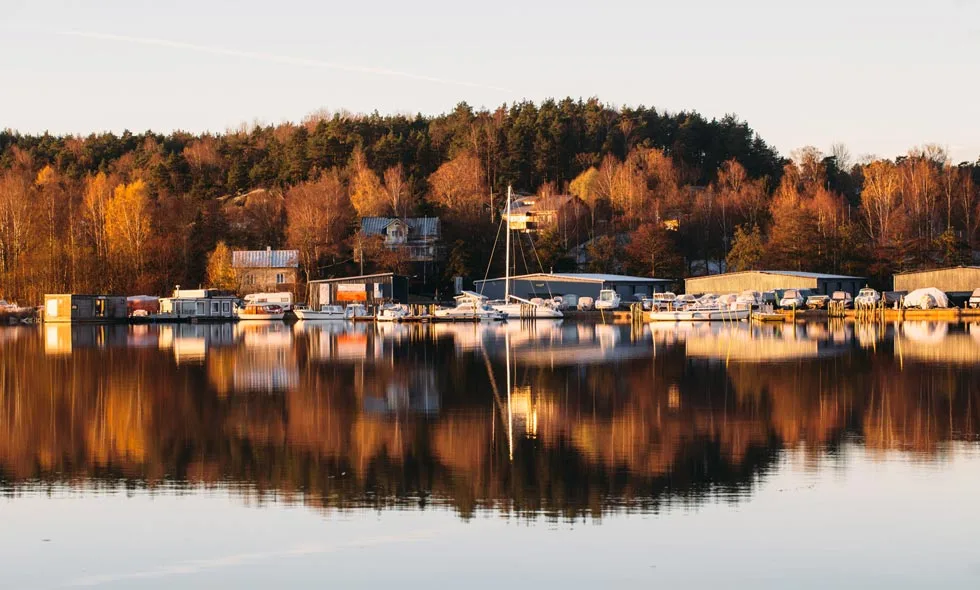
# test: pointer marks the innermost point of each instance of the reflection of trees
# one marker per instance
(583, 439)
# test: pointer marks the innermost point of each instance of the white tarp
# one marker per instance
(917, 297)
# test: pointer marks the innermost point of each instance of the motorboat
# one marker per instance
(867, 297)
(392, 312)
(469, 307)
(608, 299)
(326, 312)
(357, 311)
(260, 312)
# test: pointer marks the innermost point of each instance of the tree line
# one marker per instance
(670, 194)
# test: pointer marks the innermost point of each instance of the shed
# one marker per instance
(581, 284)
(768, 280)
(368, 289)
(957, 281)
(75, 308)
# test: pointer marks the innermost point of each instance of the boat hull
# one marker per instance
(310, 315)
(261, 317)
(527, 310)
(702, 315)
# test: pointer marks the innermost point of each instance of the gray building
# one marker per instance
(72, 308)
(957, 281)
(581, 284)
(367, 289)
(768, 280)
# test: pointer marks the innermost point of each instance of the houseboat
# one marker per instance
(197, 305)
(74, 308)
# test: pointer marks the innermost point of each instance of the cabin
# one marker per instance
(283, 299)
(372, 289)
(547, 285)
(769, 280)
(532, 214)
(418, 238)
(266, 270)
(957, 281)
(75, 308)
(199, 304)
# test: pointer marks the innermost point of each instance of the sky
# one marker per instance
(879, 76)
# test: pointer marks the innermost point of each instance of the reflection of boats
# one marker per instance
(470, 306)
(261, 311)
(326, 312)
(717, 314)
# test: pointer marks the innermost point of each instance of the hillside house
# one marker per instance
(417, 237)
(535, 213)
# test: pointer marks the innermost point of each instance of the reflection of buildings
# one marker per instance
(418, 416)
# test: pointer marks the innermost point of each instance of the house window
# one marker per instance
(280, 278)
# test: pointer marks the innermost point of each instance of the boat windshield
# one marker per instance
(607, 295)
(790, 294)
(867, 293)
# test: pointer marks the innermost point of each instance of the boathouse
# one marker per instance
(957, 281)
(367, 289)
(548, 285)
(768, 280)
(74, 308)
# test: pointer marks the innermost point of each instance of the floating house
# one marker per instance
(198, 304)
(74, 308)
(768, 280)
(367, 289)
(582, 284)
(957, 282)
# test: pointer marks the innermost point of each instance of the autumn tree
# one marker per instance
(399, 191)
(586, 187)
(652, 251)
(318, 214)
(128, 229)
(458, 187)
(367, 194)
(220, 273)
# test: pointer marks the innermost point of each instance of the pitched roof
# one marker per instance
(911, 272)
(422, 227)
(265, 259)
(791, 273)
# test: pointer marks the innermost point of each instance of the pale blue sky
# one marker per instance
(880, 76)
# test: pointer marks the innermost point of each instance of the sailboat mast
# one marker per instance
(507, 253)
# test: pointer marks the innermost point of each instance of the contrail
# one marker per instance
(269, 57)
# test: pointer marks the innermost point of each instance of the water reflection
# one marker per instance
(564, 418)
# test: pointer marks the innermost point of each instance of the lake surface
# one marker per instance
(554, 455)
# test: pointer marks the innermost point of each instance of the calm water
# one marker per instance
(270, 456)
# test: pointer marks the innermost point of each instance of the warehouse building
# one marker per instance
(367, 289)
(957, 281)
(581, 284)
(768, 280)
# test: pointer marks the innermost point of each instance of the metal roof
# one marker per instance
(961, 267)
(356, 278)
(792, 273)
(418, 227)
(265, 259)
(585, 277)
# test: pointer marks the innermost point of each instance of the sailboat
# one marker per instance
(512, 306)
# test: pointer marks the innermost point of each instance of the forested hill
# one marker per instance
(524, 144)
(667, 194)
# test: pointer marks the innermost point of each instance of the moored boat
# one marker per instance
(470, 307)
(700, 315)
(260, 312)
(326, 312)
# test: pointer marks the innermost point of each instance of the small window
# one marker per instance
(280, 278)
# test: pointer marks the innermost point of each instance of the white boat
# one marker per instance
(392, 312)
(608, 299)
(260, 312)
(469, 307)
(511, 305)
(357, 311)
(326, 312)
(717, 314)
